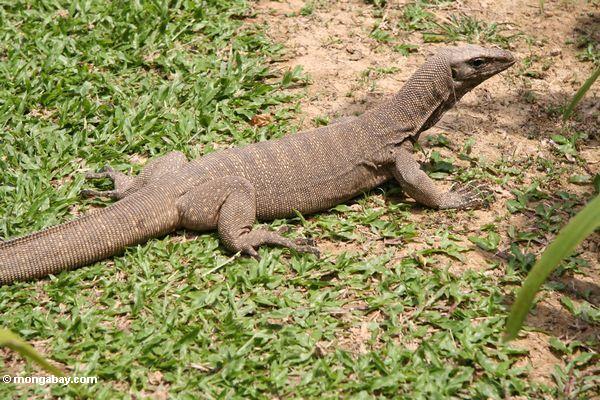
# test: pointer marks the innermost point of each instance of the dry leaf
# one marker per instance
(261, 120)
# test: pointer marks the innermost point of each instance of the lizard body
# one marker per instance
(228, 190)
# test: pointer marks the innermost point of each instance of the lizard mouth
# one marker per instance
(508, 60)
(502, 64)
(502, 60)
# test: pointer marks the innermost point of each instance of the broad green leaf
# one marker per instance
(15, 343)
(580, 93)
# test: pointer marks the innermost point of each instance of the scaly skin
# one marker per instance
(307, 172)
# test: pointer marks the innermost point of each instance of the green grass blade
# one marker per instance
(14, 342)
(578, 228)
(580, 93)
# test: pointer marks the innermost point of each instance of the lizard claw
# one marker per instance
(88, 193)
(250, 251)
(309, 249)
(473, 195)
(96, 193)
(307, 245)
(105, 172)
(305, 242)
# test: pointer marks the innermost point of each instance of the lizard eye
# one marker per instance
(477, 62)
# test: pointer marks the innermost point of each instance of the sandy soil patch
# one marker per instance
(508, 115)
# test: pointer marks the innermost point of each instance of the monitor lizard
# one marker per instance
(306, 172)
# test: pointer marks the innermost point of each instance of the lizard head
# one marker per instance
(471, 65)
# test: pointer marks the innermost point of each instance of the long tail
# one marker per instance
(93, 237)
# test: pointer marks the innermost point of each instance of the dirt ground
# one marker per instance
(507, 115)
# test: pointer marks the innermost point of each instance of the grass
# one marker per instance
(86, 84)
(587, 42)
(417, 17)
(468, 29)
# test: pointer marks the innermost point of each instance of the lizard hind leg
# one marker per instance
(121, 181)
(229, 204)
(126, 185)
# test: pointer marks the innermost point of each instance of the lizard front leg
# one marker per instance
(229, 204)
(424, 190)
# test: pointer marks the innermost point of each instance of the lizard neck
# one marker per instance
(418, 105)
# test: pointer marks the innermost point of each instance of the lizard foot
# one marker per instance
(307, 245)
(122, 183)
(472, 195)
(256, 238)
(308, 249)
(251, 251)
(305, 242)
